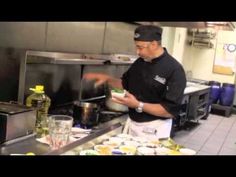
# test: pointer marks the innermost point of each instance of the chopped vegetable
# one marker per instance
(117, 90)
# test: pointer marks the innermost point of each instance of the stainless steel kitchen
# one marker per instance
(48, 107)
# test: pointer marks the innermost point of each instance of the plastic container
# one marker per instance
(227, 94)
(215, 91)
(41, 102)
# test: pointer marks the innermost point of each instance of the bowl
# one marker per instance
(145, 151)
(103, 149)
(118, 93)
(132, 143)
(125, 136)
(113, 144)
(129, 150)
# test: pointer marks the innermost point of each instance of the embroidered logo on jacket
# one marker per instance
(160, 79)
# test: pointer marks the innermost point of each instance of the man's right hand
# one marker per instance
(100, 78)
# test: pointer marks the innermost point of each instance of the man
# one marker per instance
(155, 83)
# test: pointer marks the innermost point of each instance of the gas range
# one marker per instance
(104, 114)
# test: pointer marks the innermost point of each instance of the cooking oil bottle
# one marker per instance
(41, 102)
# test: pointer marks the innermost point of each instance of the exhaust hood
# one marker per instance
(227, 26)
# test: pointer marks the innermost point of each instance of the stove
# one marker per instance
(104, 114)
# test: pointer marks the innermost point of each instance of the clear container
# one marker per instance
(41, 102)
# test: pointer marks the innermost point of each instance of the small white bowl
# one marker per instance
(145, 151)
(111, 143)
(129, 150)
(118, 94)
(132, 143)
(124, 136)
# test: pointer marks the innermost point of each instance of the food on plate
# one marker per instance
(30, 153)
(103, 149)
(174, 152)
(129, 150)
(89, 152)
(118, 92)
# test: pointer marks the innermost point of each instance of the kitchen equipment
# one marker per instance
(90, 92)
(16, 121)
(113, 106)
(85, 113)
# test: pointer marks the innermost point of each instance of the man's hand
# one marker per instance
(150, 108)
(100, 78)
(129, 100)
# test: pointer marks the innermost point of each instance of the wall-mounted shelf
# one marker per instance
(201, 38)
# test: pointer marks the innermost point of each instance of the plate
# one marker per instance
(103, 149)
(186, 151)
(89, 152)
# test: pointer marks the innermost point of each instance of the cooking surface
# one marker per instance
(105, 115)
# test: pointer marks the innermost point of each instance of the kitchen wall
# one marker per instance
(200, 60)
(75, 37)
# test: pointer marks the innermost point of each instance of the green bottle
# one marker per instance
(41, 102)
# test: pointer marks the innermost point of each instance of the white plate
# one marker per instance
(145, 151)
(80, 130)
(186, 151)
(89, 152)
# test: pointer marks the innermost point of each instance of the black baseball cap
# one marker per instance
(148, 33)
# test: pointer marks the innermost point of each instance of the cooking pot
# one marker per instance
(86, 113)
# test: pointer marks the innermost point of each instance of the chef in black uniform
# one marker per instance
(155, 84)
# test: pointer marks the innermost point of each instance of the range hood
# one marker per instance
(228, 26)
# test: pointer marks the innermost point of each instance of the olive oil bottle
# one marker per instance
(41, 102)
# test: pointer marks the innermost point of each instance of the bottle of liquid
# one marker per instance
(41, 102)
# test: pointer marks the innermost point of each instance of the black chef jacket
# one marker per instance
(160, 81)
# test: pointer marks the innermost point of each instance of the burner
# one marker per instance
(104, 115)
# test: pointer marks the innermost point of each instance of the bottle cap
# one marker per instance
(38, 89)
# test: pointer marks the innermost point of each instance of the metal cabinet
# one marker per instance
(180, 120)
(198, 105)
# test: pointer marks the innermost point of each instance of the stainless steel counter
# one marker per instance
(31, 145)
